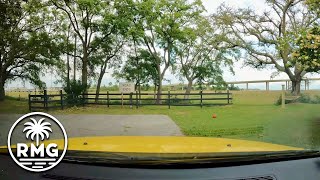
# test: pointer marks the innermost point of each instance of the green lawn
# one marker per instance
(13, 106)
(253, 116)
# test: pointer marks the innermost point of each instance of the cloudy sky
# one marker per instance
(241, 73)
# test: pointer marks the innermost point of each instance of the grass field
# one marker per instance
(253, 116)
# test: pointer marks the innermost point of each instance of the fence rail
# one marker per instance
(59, 101)
(45, 101)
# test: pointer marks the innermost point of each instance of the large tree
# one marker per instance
(202, 54)
(139, 68)
(267, 37)
(159, 25)
(85, 17)
(107, 54)
(26, 44)
(108, 46)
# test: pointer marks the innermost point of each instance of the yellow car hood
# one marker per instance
(155, 144)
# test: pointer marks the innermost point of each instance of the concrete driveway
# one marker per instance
(104, 125)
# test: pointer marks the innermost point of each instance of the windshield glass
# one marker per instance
(156, 77)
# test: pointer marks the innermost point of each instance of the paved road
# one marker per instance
(104, 125)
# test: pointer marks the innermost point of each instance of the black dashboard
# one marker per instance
(299, 169)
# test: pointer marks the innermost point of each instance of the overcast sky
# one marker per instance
(241, 73)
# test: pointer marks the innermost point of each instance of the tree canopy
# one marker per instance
(142, 40)
(308, 50)
(159, 25)
(26, 42)
(267, 38)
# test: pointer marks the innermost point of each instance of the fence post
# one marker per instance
(29, 102)
(137, 99)
(45, 98)
(228, 96)
(108, 100)
(169, 99)
(283, 98)
(61, 99)
(201, 98)
(131, 100)
(121, 100)
(83, 100)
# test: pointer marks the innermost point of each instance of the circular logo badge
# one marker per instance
(28, 143)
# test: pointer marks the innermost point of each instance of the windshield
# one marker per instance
(162, 78)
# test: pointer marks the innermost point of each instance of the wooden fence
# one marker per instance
(47, 102)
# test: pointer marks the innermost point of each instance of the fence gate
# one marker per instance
(45, 102)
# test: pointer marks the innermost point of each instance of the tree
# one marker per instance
(267, 38)
(26, 44)
(85, 17)
(108, 46)
(159, 25)
(107, 53)
(140, 69)
(202, 54)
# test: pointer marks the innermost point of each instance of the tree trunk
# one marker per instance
(85, 69)
(159, 90)
(2, 92)
(138, 89)
(75, 58)
(154, 91)
(98, 88)
(68, 73)
(68, 62)
(102, 72)
(139, 93)
(296, 86)
(188, 90)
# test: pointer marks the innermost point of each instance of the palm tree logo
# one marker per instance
(37, 129)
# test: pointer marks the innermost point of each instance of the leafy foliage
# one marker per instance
(202, 55)
(308, 52)
(85, 19)
(141, 69)
(233, 87)
(26, 45)
(74, 92)
(314, 5)
(159, 26)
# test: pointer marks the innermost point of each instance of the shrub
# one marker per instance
(74, 93)
(316, 100)
(279, 101)
(180, 101)
(234, 88)
(147, 101)
(304, 98)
